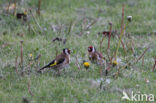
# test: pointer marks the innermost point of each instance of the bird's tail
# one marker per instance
(46, 66)
(51, 64)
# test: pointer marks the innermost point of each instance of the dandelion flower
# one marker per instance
(115, 63)
(30, 56)
(86, 65)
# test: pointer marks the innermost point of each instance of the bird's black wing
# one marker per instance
(48, 65)
(61, 60)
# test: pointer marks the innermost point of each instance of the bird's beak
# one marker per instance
(69, 51)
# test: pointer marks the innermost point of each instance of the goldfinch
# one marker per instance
(22, 16)
(59, 62)
(95, 56)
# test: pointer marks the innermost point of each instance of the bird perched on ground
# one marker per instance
(95, 56)
(22, 15)
(60, 62)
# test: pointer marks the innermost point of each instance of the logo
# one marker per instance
(137, 97)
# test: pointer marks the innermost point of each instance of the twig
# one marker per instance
(116, 74)
(70, 27)
(143, 61)
(132, 46)
(122, 41)
(29, 90)
(110, 59)
(77, 63)
(121, 32)
(142, 54)
(21, 55)
(60, 29)
(110, 31)
(91, 24)
(154, 65)
(84, 23)
(16, 64)
(39, 6)
(21, 52)
(28, 66)
(109, 37)
(107, 70)
(101, 70)
(122, 21)
(119, 42)
(82, 30)
(15, 8)
(101, 43)
(64, 100)
(29, 28)
(37, 59)
(8, 6)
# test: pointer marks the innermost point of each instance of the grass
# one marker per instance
(74, 85)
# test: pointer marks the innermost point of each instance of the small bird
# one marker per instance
(22, 15)
(95, 56)
(60, 62)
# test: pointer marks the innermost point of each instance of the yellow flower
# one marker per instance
(25, 12)
(86, 64)
(30, 55)
(115, 63)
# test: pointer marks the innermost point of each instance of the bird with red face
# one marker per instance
(59, 62)
(94, 55)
